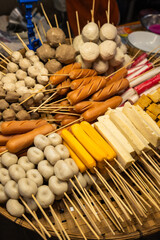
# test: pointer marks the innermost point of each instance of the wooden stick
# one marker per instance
(47, 100)
(55, 17)
(136, 54)
(40, 227)
(60, 100)
(86, 222)
(3, 152)
(2, 59)
(34, 94)
(3, 73)
(99, 24)
(115, 196)
(153, 163)
(37, 220)
(6, 48)
(153, 49)
(141, 198)
(59, 222)
(93, 10)
(9, 49)
(89, 206)
(69, 32)
(46, 217)
(75, 221)
(3, 67)
(123, 195)
(23, 43)
(139, 186)
(153, 55)
(141, 74)
(90, 219)
(46, 17)
(104, 210)
(5, 57)
(44, 32)
(34, 227)
(113, 210)
(109, 6)
(78, 25)
(38, 33)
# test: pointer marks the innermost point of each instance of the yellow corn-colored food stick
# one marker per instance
(79, 163)
(97, 153)
(96, 137)
(76, 147)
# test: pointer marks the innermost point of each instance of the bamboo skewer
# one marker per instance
(109, 6)
(9, 49)
(55, 17)
(91, 208)
(69, 32)
(93, 10)
(86, 213)
(86, 222)
(140, 187)
(3, 73)
(23, 43)
(153, 55)
(57, 219)
(44, 32)
(40, 227)
(75, 221)
(46, 217)
(5, 48)
(46, 17)
(3, 67)
(32, 225)
(152, 162)
(38, 33)
(99, 24)
(78, 25)
(37, 220)
(123, 195)
(5, 58)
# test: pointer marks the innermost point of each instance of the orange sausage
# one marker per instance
(64, 87)
(2, 149)
(4, 139)
(25, 140)
(110, 90)
(55, 79)
(68, 120)
(122, 73)
(17, 127)
(84, 92)
(84, 106)
(82, 73)
(92, 113)
(81, 82)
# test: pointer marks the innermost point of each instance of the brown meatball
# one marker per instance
(3, 105)
(16, 107)
(45, 52)
(35, 115)
(55, 36)
(53, 66)
(23, 115)
(9, 115)
(12, 97)
(65, 54)
(2, 93)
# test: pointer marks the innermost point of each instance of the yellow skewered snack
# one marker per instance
(97, 153)
(96, 137)
(79, 163)
(81, 152)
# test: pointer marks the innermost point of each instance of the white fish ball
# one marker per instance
(12, 76)
(41, 141)
(55, 139)
(42, 79)
(19, 84)
(108, 31)
(45, 169)
(107, 49)
(29, 82)
(77, 43)
(27, 187)
(25, 163)
(90, 32)
(33, 71)
(35, 155)
(34, 59)
(3, 195)
(4, 176)
(24, 64)
(9, 159)
(16, 56)
(62, 150)
(16, 172)
(15, 208)
(38, 65)
(44, 196)
(63, 171)
(35, 176)
(100, 66)
(11, 189)
(31, 204)
(123, 48)
(71, 163)
(21, 75)
(89, 51)
(51, 154)
(84, 63)
(9, 87)
(57, 186)
(29, 53)
(12, 67)
(118, 58)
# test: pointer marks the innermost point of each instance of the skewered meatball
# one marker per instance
(45, 52)
(55, 36)
(65, 54)
(53, 66)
